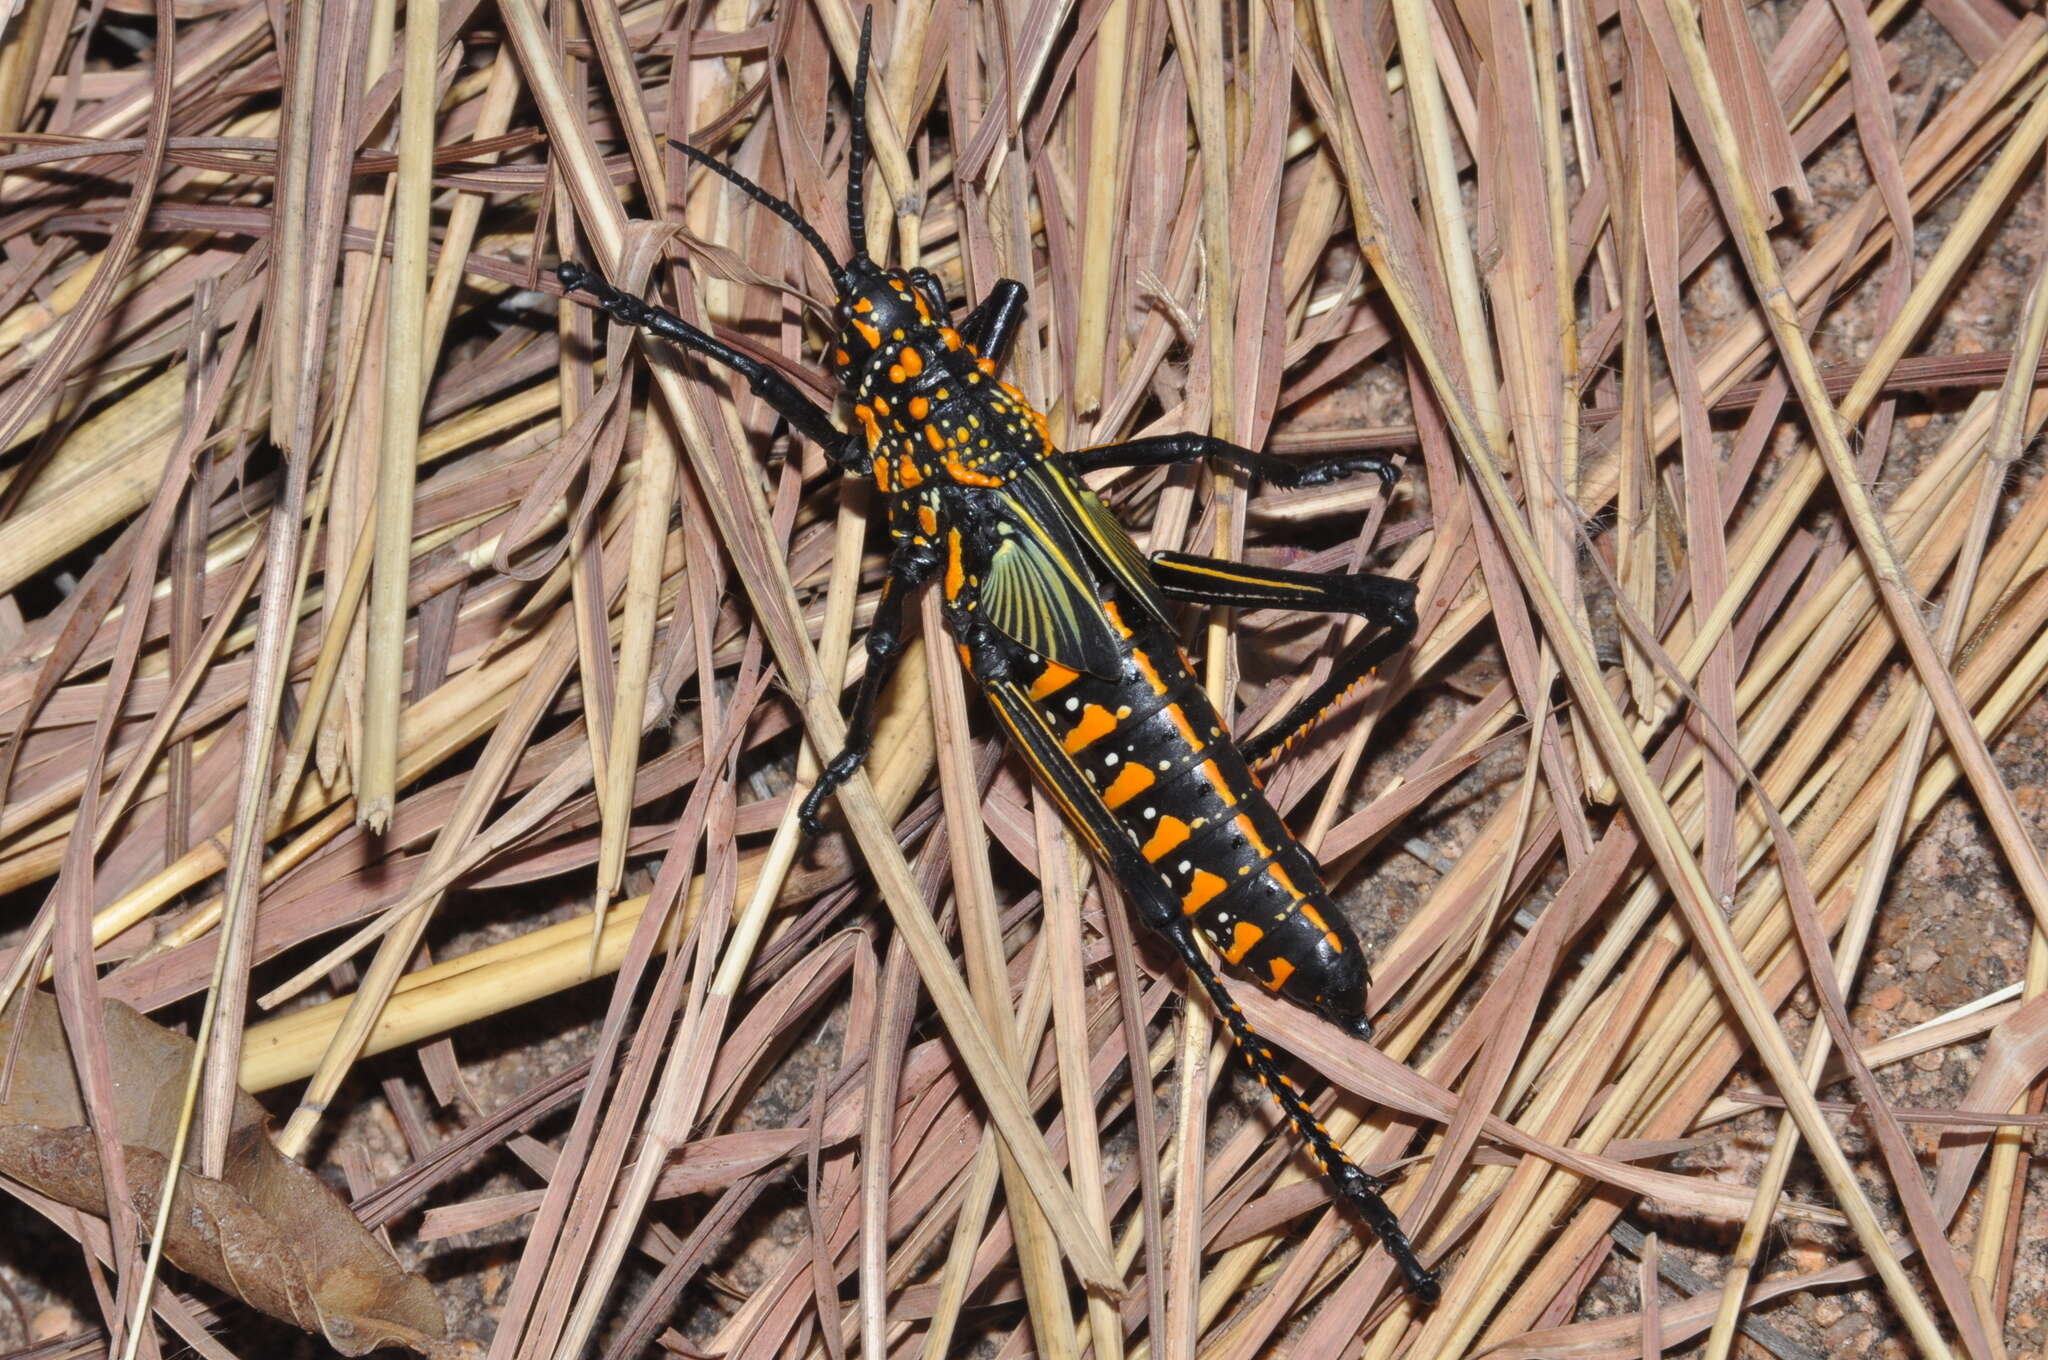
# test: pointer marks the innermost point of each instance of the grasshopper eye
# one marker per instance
(927, 283)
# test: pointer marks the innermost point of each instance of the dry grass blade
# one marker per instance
(443, 664)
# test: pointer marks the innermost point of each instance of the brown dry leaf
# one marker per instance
(269, 1231)
(1621, 1337)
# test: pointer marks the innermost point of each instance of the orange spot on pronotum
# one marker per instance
(966, 475)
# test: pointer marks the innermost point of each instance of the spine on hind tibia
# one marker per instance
(1353, 1184)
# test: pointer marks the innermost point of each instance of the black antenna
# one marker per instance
(780, 207)
(857, 143)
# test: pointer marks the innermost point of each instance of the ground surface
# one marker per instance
(1950, 931)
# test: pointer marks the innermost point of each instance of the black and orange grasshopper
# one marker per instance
(1067, 629)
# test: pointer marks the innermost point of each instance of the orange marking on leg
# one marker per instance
(865, 414)
(1052, 680)
(1222, 786)
(1170, 833)
(1282, 970)
(1251, 836)
(956, 574)
(966, 475)
(1096, 723)
(966, 657)
(1202, 887)
(950, 337)
(1242, 937)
